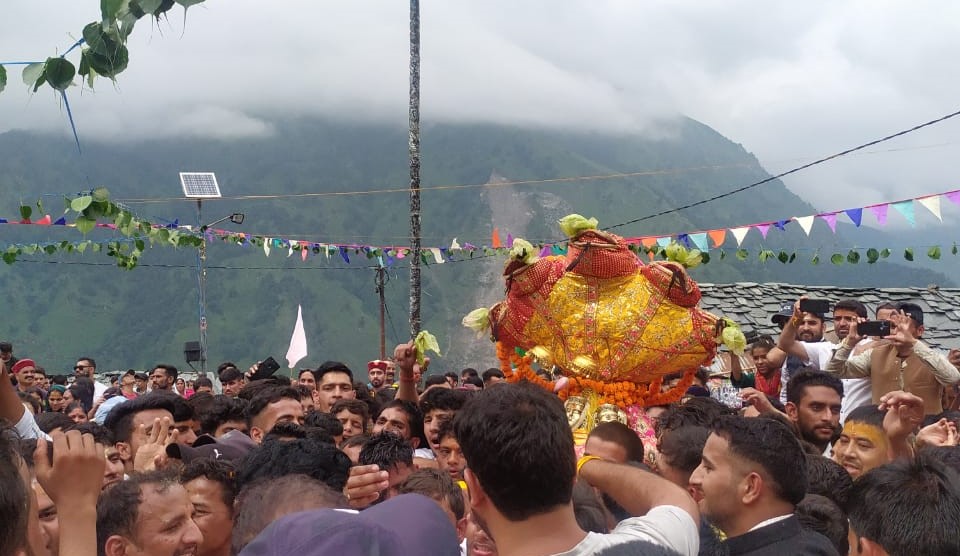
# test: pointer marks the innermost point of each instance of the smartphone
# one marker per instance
(265, 369)
(815, 306)
(874, 328)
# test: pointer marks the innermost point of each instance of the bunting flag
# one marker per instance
(718, 237)
(831, 219)
(880, 211)
(932, 204)
(906, 209)
(855, 215)
(739, 234)
(700, 240)
(806, 223)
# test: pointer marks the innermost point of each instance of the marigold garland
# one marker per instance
(622, 393)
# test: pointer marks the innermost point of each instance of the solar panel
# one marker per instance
(199, 185)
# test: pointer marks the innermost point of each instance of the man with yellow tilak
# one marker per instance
(875, 435)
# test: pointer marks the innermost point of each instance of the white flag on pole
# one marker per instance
(298, 343)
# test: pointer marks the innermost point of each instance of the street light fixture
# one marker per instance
(200, 186)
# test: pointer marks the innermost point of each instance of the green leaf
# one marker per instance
(934, 252)
(3, 78)
(33, 74)
(783, 257)
(908, 254)
(9, 256)
(110, 8)
(188, 3)
(149, 6)
(140, 244)
(953, 251)
(815, 259)
(97, 247)
(872, 255)
(853, 257)
(723, 254)
(30, 249)
(40, 206)
(101, 194)
(50, 249)
(884, 253)
(25, 212)
(704, 258)
(837, 258)
(793, 257)
(81, 203)
(59, 73)
(742, 254)
(82, 246)
(764, 254)
(85, 225)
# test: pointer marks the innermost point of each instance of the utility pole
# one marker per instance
(381, 281)
(414, 144)
(202, 288)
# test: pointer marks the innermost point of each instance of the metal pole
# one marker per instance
(414, 144)
(202, 279)
(381, 274)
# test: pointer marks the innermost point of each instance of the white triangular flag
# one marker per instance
(806, 222)
(454, 244)
(933, 205)
(437, 256)
(298, 342)
(740, 233)
(266, 246)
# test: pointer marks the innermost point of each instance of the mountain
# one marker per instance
(59, 307)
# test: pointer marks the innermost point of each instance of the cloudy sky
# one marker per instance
(791, 81)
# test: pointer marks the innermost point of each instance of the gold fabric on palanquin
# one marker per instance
(625, 326)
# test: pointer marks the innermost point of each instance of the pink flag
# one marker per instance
(298, 342)
(880, 211)
(831, 219)
(764, 228)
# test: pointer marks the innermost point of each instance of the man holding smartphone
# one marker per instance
(818, 352)
(905, 363)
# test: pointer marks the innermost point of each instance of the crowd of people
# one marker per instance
(829, 445)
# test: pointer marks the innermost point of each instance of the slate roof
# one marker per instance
(751, 305)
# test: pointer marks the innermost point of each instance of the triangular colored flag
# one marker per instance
(764, 228)
(546, 251)
(906, 209)
(454, 244)
(292, 244)
(648, 241)
(45, 221)
(437, 255)
(664, 241)
(718, 237)
(932, 203)
(509, 241)
(739, 234)
(495, 240)
(62, 221)
(298, 342)
(831, 219)
(303, 254)
(266, 246)
(344, 256)
(880, 211)
(954, 196)
(700, 240)
(806, 222)
(855, 216)
(684, 240)
(780, 225)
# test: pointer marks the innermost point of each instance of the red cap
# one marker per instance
(23, 364)
(377, 364)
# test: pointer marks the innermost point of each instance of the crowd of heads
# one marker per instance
(226, 465)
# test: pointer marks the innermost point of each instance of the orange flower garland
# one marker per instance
(622, 394)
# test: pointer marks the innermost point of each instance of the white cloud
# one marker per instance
(791, 81)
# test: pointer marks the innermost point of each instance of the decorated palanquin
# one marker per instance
(613, 326)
